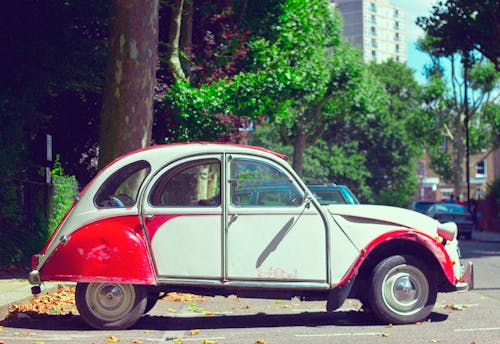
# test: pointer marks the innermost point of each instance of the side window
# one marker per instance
(121, 189)
(255, 183)
(196, 183)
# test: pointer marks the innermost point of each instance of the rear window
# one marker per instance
(121, 189)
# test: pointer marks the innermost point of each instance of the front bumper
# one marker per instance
(466, 282)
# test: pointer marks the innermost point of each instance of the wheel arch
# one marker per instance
(421, 246)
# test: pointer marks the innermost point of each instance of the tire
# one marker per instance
(403, 290)
(110, 306)
(153, 298)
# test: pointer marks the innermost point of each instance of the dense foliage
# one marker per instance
(465, 25)
(234, 65)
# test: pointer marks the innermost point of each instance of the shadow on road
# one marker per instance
(153, 322)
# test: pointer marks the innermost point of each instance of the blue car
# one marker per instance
(329, 193)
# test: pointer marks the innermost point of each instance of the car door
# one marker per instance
(182, 214)
(271, 233)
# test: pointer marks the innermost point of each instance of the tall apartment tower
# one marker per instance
(375, 26)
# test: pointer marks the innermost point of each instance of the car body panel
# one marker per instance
(110, 250)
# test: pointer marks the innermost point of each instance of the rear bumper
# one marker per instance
(466, 282)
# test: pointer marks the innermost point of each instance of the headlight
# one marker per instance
(448, 231)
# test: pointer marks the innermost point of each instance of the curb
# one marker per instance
(18, 291)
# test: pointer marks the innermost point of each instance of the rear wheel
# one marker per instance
(110, 306)
(403, 290)
(153, 298)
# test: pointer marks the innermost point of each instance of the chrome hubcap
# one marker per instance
(405, 289)
(110, 301)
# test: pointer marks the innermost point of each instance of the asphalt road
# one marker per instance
(470, 317)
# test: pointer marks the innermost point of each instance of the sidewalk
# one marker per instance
(486, 236)
(18, 290)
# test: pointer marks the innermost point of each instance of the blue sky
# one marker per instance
(415, 8)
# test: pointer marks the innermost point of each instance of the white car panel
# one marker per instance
(188, 246)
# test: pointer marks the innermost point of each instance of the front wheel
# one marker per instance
(403, 290)
(110, 306)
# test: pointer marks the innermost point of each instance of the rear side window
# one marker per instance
(193, 184)
(121, 189)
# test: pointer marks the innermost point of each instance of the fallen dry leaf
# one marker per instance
(194, 332)
(30, 334)
(111, 339)
(454, 307)
(177, 341)
(260, 341)
(390, 326)
(435, 340)
(385, 334)
(61, 301)
(184, 297)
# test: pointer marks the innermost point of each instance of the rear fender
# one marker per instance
(111, 250)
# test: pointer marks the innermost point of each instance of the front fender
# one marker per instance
(112, 250)
(429, 243)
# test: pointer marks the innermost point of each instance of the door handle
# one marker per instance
(233, 218)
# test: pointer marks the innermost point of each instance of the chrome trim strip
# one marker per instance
(244, 284)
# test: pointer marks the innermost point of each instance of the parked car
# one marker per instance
(175, 218)
(421, 206)
(329, 193)
(446, 212)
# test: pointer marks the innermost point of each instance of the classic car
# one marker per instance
(184, 218)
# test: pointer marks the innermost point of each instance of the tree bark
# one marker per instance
(127, 112)
(299, 146)
(174, 35)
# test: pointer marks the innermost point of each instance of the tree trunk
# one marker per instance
(459, 156)
(127, 112)
(299, 146)
(174, 34)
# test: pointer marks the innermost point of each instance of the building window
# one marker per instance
(396, 25)
(373, 19)
(481, 169)
(396, 14)
(397, 38)
(397, 48)
(373, 30)
(373, 7)
(374, 55)
(374, 43)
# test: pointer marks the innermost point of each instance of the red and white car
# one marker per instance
(223, 219)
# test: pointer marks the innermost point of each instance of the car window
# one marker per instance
(196, 183)
(255, 183)
(326, 197)
(121, 189)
